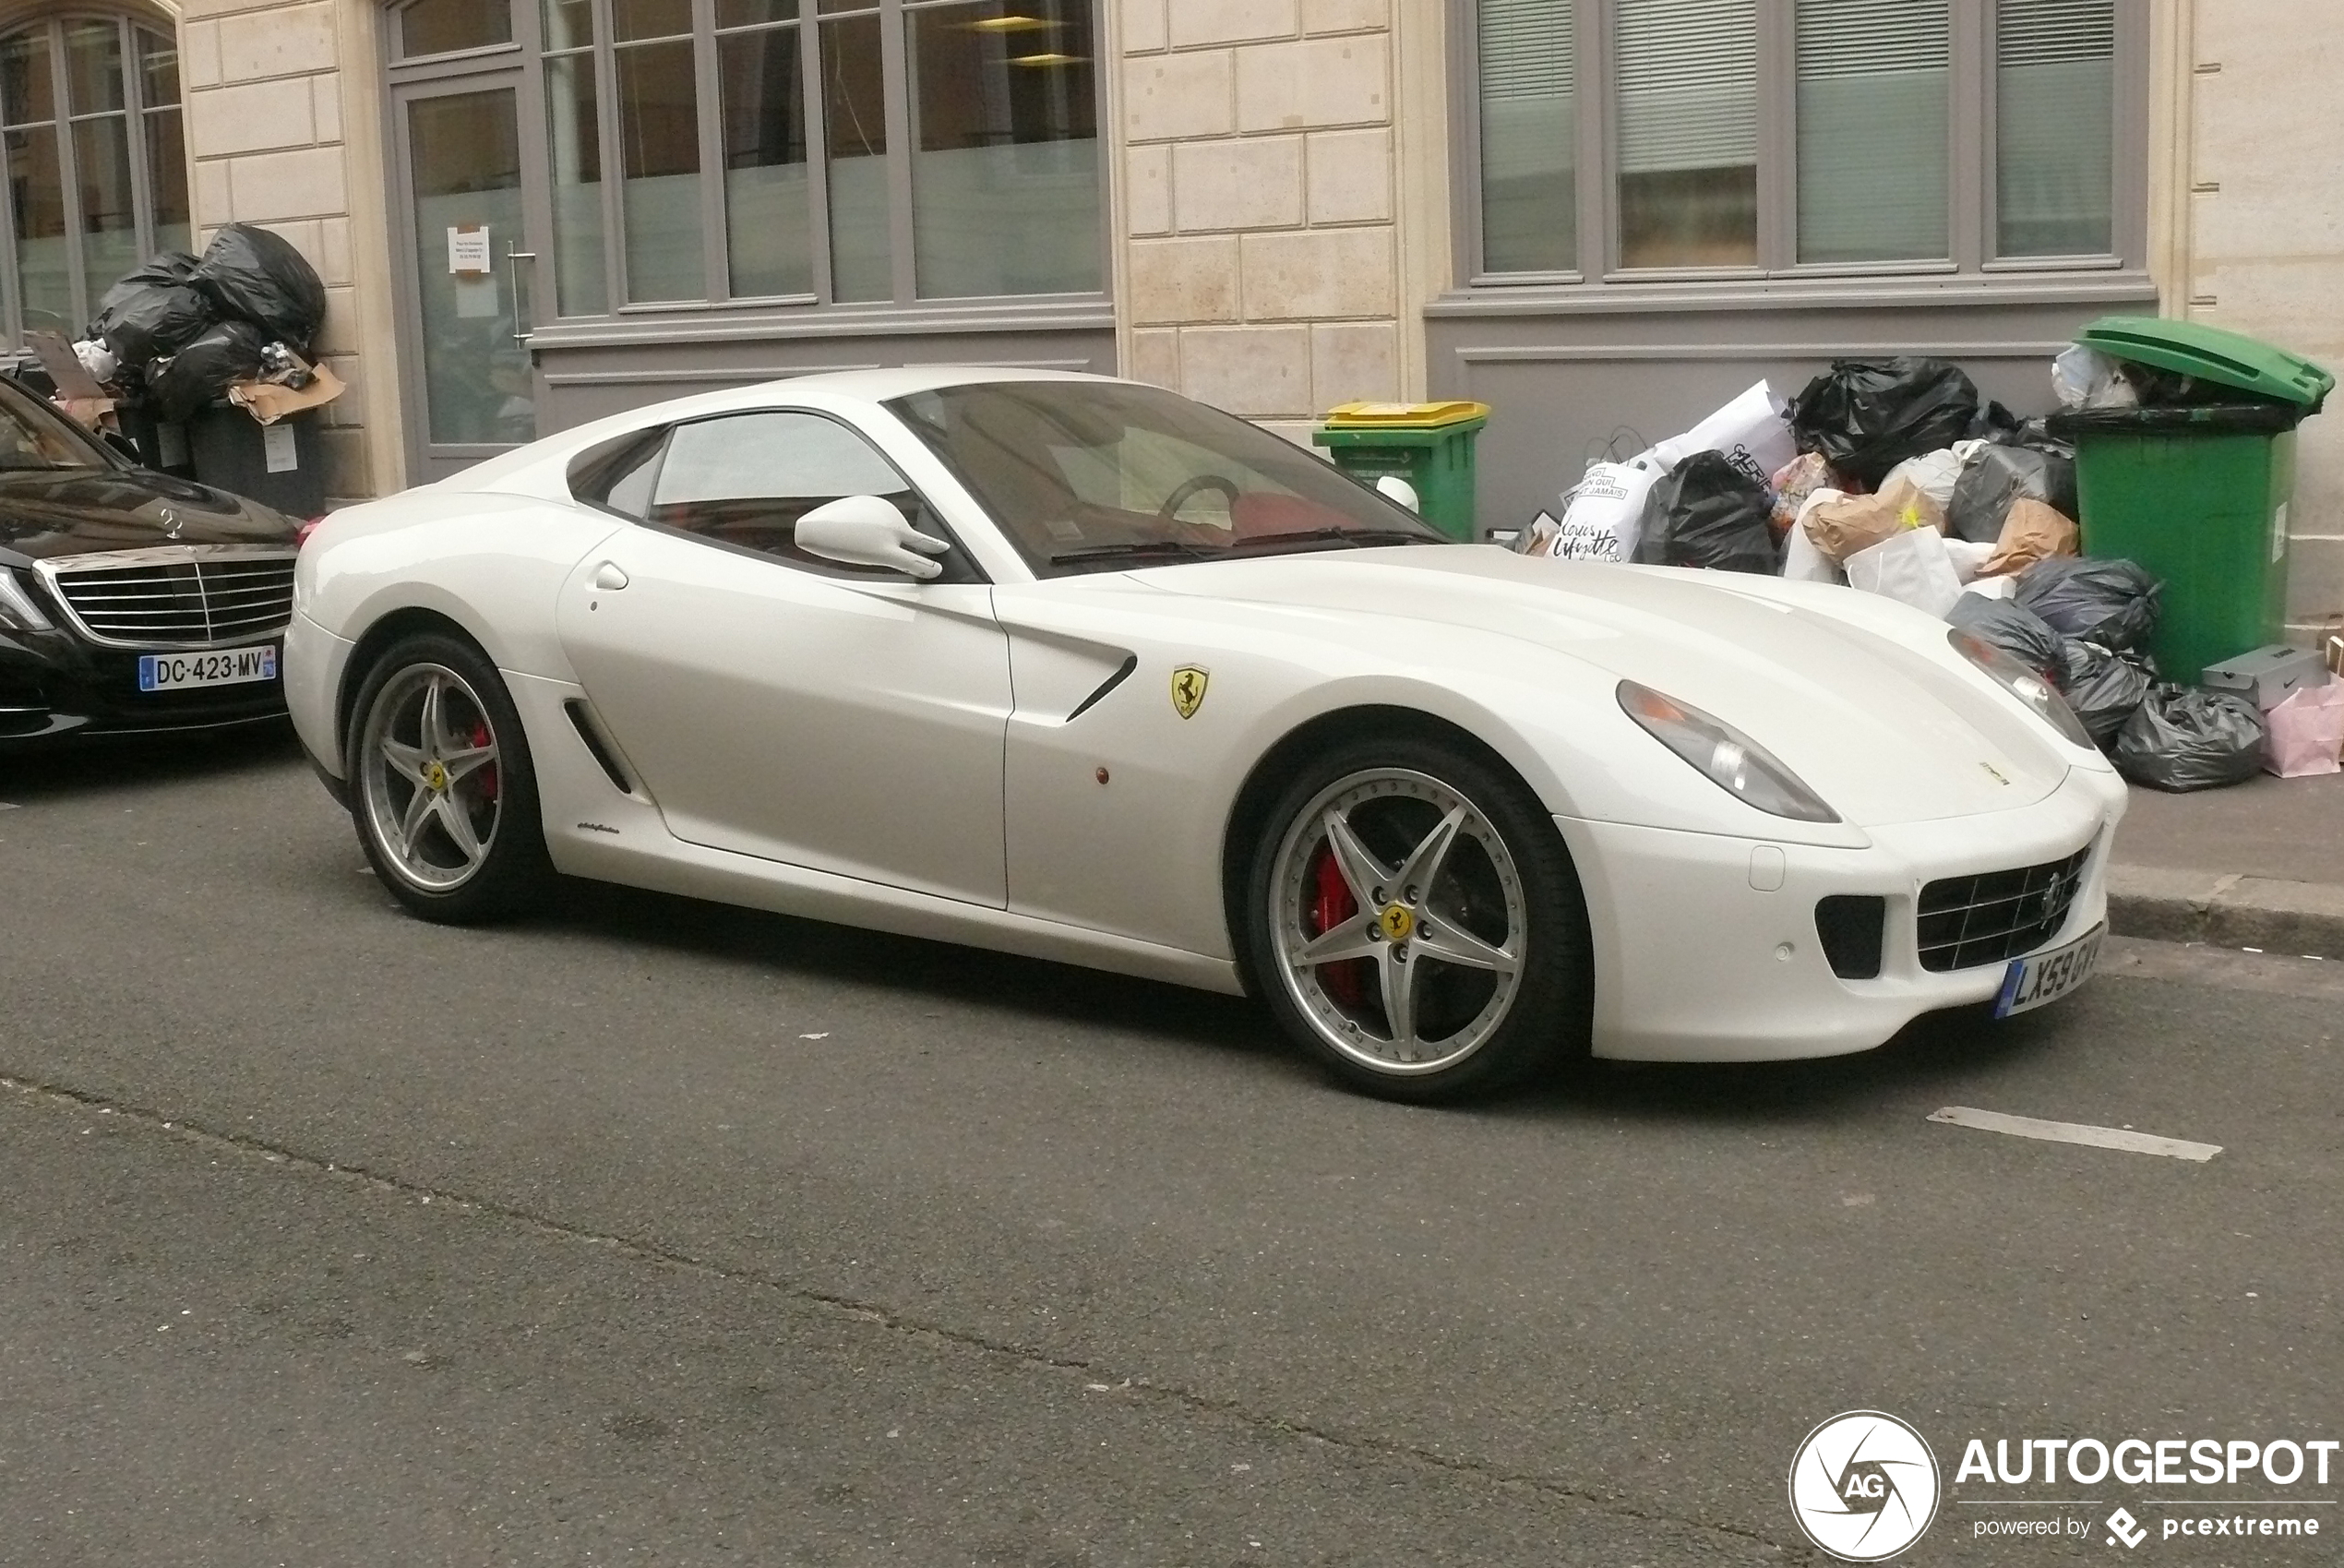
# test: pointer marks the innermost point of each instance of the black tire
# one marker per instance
(513, 872)
(1547, 1016)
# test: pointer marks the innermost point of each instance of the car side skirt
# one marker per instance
(594, 829)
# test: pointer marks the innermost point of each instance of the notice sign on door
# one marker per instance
(468, 252)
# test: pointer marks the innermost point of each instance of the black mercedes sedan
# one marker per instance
(130, 600)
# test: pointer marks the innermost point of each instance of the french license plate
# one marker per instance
(2046, 976)
(229, 666)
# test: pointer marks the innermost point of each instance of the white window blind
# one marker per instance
(1526, 50)
(2054, 127)
(1529, 134)
(1873, 81)
(1868, 38)
(2046, 32)
(1688, 84)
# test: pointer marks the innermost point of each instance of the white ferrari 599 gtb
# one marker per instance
(1077, 668)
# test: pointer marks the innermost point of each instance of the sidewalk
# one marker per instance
(2260, 865)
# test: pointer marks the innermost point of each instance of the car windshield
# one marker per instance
(33, 437)
(1091, 476)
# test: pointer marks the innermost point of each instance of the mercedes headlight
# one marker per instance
(1729, 759)
(18, 612)
(2022, 683)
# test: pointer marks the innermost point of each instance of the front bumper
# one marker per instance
(54, 686)
(1694, 962)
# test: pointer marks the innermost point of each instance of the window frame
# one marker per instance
(134, 113)
(1972, 220)
(960, 565)
(528, 52)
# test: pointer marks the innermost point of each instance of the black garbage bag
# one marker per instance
(1707, 512)
(2185, 738)
(1867, 415)
(144, 322)
(2002, 473)
(2110, 602)
(1995, 423)
(2015, 630)
(199, 375)
(167, 269)
(2104, 687)
(253, 275)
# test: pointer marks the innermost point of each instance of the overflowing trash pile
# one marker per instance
(183, 334)
(1892, 476)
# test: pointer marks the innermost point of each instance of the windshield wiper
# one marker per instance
(1144, 549)
(1360, 537)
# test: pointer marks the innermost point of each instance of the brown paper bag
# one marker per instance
(1850, 526)
(2032, 531)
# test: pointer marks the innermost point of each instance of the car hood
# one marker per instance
(80, 512)
(1863, 698)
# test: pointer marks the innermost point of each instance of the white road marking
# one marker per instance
(2075, 1133)
(6, 806)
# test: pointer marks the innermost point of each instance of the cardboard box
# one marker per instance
(2268, 675)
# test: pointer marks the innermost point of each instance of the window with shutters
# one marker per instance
(1627, 140)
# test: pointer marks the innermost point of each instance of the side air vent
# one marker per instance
(1853, 930)
(591, 734)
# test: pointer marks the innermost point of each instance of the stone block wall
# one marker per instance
(1259, 265)
(277, 95)
(2259, 211)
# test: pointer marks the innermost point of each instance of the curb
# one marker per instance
(2305, 918)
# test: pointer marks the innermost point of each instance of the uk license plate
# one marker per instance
(2046, 976)
(229, 666)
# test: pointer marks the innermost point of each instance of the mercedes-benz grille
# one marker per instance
(189, 597)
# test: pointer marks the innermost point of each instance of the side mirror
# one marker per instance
(864, 531)
(123, 446)
(1394, 489)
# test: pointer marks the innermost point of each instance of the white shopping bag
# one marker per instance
(1802, 562)
(1601, 514)
(1933, 474)
(2085, 378)
(1750, 430)
(1969, 558)
(1909, 566)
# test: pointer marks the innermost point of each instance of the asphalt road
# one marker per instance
(655, 1232)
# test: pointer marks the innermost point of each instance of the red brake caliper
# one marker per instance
(488, 774)
(1331, 905)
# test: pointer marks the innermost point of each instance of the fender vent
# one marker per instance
(582, 721)
(1853, 931)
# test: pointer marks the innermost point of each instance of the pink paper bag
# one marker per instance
(2306, 732)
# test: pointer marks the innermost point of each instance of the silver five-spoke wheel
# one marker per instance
(1399, 921)
(429, 782)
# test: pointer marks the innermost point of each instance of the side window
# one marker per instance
(745, 480)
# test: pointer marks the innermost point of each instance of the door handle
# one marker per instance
(512, 270)
(609, 578)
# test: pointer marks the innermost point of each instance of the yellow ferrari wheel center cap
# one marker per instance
(1398, 924)
(434, 777)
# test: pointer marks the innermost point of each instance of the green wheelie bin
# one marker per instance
(2197, 492)
(1430, 445)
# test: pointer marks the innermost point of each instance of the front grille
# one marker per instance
(188, 598)
(1970, 921)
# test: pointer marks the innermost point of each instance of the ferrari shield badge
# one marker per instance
(1188, 689)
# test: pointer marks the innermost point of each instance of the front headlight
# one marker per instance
(18, 612)
(1729, 759)
(2022, 683)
